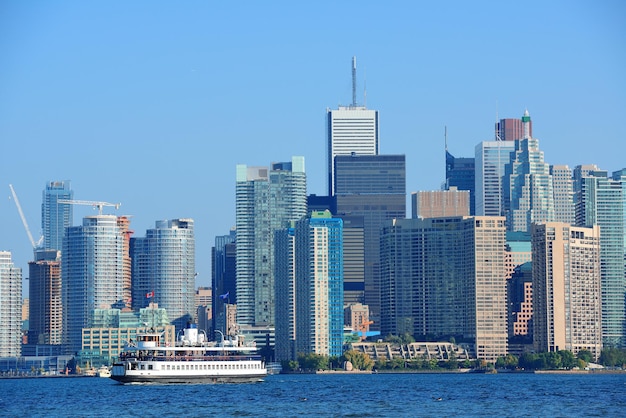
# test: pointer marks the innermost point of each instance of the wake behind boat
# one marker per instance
(191, 360)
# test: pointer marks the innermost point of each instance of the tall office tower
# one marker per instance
(350, 130)
(444, 277)
(372, 186)
(10, 307)
(512, 129)
(491, 157)
(602, 201)
(309, 287)
(92, 274)
(123, 223)
(55, 217)
(566, 288)
(520, 291)
(223, 277)
(518, 251)
(266, 199)
(460, 173)
(164, 269)
(528, 194)
(563, 187)
(580, 173)
(440, 203)
(45, 325)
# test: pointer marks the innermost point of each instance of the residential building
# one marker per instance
(566, 288)
(601, 200)
(55, 216)
(267, 198)
(45, 324)
(374, 187)
(92, 274)
(164, 269)
(10, 307)
(445, 277)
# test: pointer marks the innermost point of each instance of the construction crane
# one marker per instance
(19, 209)
(95, 204)
(364, 327)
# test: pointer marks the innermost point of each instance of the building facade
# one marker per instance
(460, 173)
(440, 203)
(45, 325)
(267, 198)
(164, 268)
(445, 277)
(491, 157)
(563, 188)
(55, 216)
(374, 187)
(566, 288)
(10, 307)
(223, 277)
(92, 274)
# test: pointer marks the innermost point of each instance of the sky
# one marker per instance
(152, 104)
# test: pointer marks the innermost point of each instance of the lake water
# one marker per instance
(351, 395)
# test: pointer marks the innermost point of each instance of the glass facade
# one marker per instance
(163, 269)
(491, 157)
(55, 217)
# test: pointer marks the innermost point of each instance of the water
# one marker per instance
(376, 395)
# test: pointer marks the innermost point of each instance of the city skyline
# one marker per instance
(158, 119)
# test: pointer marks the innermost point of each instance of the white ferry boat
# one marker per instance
(191, 360)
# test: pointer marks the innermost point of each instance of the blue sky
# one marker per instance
(152, 103)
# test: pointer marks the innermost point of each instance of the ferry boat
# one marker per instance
(103, 371)
(191, 360)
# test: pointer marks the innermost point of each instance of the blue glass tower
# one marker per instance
(55, 217)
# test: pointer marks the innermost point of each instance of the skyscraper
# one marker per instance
(350, 130)
(512, 129)
(92, 272)
(528, 194)
(460, 173)
(374, 187)
(45, 325)
(601, 201)
(224, 274)
(164, 268)
(10, 307)
(563, 187)
(266, 199)
(566, 288)
(55, 217)
(440, 203)
(491, 157)
(445, 277)
(309, 276)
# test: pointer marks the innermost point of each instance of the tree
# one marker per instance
(568, 361)
(585, 355)
(359, 360)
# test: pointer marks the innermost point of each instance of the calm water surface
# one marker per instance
(377, 395)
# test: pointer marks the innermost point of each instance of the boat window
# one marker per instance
(149, 366)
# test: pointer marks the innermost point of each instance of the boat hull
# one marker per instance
(130, 379)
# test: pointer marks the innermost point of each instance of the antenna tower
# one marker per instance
(354, 81)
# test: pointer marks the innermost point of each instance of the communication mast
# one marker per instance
(94, 204)
(19, 209)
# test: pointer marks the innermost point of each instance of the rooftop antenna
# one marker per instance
(354, 81)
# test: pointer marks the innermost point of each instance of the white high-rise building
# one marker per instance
(491, 157)
(92, 274)
(10, 307)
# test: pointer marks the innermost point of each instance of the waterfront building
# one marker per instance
(267, 198)
(563, 188)
(92, 273)
(601, 200)
(356, 316)
(521, 303)
(460, 173)
(491, 158)
(10, 307)
(374, 187)
(45, 325)
(223, 277)
(566, 288)
(164, 269)
(309, 287)
(440, 203)
(445, 277)
(55, 216)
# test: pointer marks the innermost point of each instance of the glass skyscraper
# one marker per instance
(491, 157)
(55, 217)
(601, 200)
(267, 198)
(92, 272)
(163, 269)
(374, 187)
